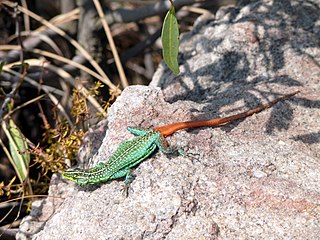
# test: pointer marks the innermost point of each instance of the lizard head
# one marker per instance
(76, 175)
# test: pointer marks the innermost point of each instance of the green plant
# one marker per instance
(170, 40)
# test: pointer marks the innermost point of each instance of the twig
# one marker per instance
(23, 105)
(47, 89)
(26, 17)
(18, 34)
(23, 69)
(13, 92)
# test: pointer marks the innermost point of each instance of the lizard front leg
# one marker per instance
(137, 131)
(127, 173)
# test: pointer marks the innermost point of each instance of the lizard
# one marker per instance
(131, 153)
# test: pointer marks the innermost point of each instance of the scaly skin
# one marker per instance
(131, 153)
(127, 155)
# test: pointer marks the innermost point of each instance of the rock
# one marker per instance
(258, 178)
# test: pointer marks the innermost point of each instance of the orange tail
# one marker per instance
(172, 128)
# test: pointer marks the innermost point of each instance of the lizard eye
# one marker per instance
(72, 173)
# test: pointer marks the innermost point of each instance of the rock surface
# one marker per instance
(258, 178)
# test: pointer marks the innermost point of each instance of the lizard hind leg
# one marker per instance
(164, 147)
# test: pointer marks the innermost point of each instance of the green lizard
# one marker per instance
(131, 153)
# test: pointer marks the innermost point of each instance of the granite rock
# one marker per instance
(257, 178)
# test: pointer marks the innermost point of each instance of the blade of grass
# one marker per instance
(1, 66)
(65, 75)
(20, 156)
(23, 105)
(57, 20)
(84, 52)
(47, 89)
(124, 81)
(56, 57)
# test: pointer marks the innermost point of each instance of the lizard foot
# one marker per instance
(129, 178)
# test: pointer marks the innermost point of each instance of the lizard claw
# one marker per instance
(125, 190)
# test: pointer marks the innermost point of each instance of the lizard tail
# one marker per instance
(172, 128)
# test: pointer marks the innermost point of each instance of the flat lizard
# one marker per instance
(131, 153)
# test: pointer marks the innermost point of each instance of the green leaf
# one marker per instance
(170, 40)
(1, 66)
(18, 149)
